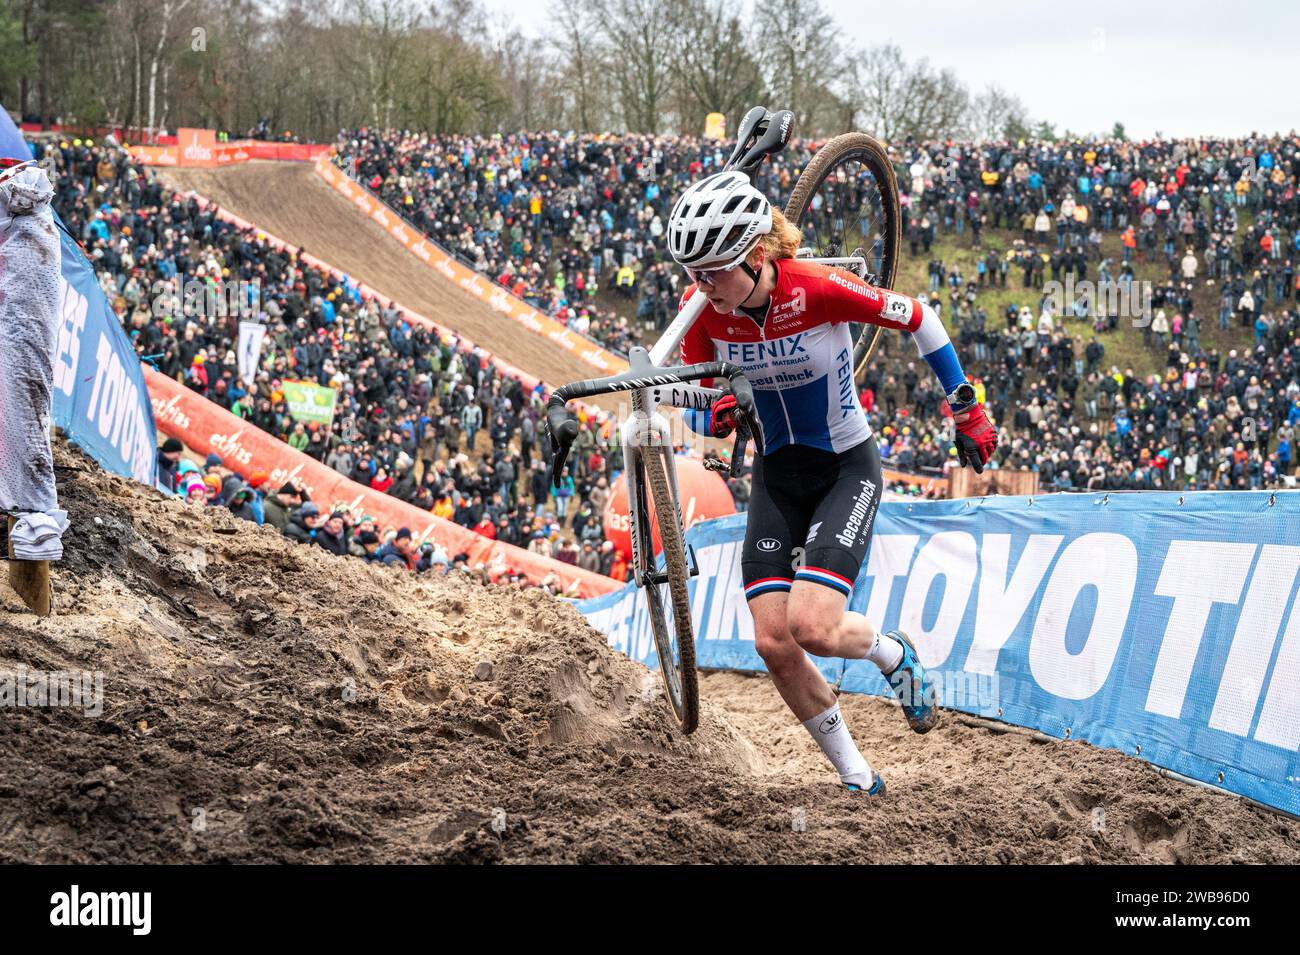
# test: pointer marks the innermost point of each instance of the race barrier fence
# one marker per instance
(100, 399)
(199, 148)
(1160, 625)
(126, 135)
(208, 428)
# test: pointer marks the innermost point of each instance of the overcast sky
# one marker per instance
(1186, 68)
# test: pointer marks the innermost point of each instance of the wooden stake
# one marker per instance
(30, 579)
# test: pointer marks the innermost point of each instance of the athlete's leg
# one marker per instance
(821, 623)
(802, 687)
(806, 692)
(836, 547)
(854, 634)
(778, 521)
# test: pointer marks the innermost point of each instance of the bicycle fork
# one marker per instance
(647, 431)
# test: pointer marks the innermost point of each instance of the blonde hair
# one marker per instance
(784, 239)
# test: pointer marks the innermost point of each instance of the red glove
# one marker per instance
(976, 439)
(723, 420)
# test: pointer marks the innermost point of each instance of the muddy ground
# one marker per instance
(271, 703)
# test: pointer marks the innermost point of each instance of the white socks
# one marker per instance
(37, 536)
(833, 737)
(885, 652)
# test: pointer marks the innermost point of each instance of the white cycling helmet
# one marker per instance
(716, 220)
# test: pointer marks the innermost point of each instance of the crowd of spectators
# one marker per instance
(1214, 222)
(554, 218)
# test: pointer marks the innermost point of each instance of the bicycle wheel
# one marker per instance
(668, 603)
(846, 203)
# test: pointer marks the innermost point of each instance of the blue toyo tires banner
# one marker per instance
(1157, 624)
(100, 398)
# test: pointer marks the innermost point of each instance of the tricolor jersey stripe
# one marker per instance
(767, 585)
(820, 575)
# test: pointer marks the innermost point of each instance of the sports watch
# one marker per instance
(962, 396)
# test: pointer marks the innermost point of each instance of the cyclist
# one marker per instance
(818, 484)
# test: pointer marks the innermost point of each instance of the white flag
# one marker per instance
(250, 350)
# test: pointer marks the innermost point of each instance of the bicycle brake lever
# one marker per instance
(753, 425)
(747, 411)
(561, 430)
(738, 452)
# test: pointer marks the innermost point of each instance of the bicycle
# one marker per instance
(821, 205)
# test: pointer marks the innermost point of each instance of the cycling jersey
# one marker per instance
(800, 359)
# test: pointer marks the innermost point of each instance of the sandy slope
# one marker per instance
(316, 709)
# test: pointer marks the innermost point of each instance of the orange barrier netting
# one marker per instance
(199, 148)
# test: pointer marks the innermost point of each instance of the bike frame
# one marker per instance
(647, 427)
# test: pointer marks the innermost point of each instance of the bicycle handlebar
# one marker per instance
(562, 427)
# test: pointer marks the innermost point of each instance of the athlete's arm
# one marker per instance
(852, 300)
(849, 299)
(697, 346)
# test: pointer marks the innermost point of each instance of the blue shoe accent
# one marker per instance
(877, 787)
(913, 689)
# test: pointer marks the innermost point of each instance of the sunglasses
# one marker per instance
(709, 276)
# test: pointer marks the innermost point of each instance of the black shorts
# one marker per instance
(810, 517)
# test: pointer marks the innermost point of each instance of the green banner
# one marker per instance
(308, 402)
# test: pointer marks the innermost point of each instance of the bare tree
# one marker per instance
(881, 83)
(996, 114)
(717, 70)
(451, 85)
(901, 99)
(531, 81)
(644, 40)
(385, 26)
(168, 13)
(802, 54)
(939, 104)
(574, 37)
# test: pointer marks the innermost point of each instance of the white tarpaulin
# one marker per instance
(29, 312)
